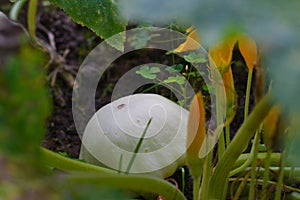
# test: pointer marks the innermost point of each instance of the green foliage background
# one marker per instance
(24, 102)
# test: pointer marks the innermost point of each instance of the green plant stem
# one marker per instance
(136, 183)
(249, 159)
(31, 20)
(227, 134)
(206, 175)
(254, 166)
(150, 88)
(266, 174)
(16, 8)
(234, 150)
(196, 186)
(179, 39)
(286, 173)
(291, 174)
(275, 159)
(183, 91)
(248, 90)
(269, 182)
(241, 187)
(57, 161)
(169, 86)
(280, 177)
(221, 142)
(221, 148)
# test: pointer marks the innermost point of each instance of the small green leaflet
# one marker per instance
(175, 79)
(175, 68)
(148, 72)
(181, 102)
(141, 38)
(101, 16)
(195, 58)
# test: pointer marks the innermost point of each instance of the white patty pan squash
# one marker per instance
(115, 129)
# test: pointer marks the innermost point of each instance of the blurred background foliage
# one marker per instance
(24, 109)
(274, 24)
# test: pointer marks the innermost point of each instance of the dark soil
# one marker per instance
(69, 36)
(78, 41)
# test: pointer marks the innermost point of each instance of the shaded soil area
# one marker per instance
(69, 37)
(73, 42)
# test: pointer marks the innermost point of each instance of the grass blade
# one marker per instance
(136, 150)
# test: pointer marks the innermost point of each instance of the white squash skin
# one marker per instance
(123, 122)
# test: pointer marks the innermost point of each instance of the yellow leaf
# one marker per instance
(270, 124)
(192, 41)
(248, 49)
(231, 97)
(195, 134)
(221, 53)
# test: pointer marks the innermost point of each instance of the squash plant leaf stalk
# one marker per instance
(248, 49)
(54, 160)
(217, 188)
(195, 137)
(254, 164)
(270, 124)
(81, 172)
(16, 8)
(192, 42)
(31, 20)
(137, 183)
(249, 159)
(221, 55)
(231, 101)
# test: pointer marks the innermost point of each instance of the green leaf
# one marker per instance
(147, 72)
(137, 183)
(181, 102)
(205, 87)
(141, 37)
(175, 68)
(175, 79)
(192, 74)
(101, 16)
(195, 58)
(170, 52)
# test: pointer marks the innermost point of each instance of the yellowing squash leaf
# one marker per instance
(248, 49)
(231, 97)
(192, 42)
(221, 53)
(270, 125)
(195, 134)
